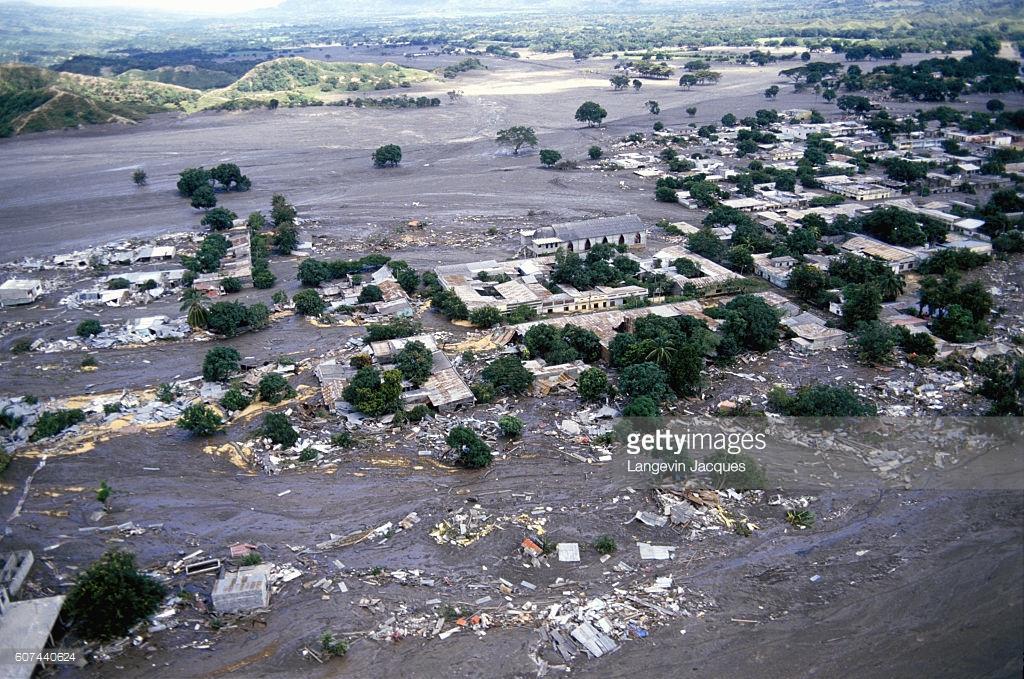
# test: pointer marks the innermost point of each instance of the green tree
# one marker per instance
(485, 317)
(690, 110)
(220, 363)
(227, 318)
(820, 400)
(415, 361)
(641, 406)
(274, 388)
(590, 113)
(199, 420)
(263, 278)
(517, 137)
(549, 157)
(595, 152)
(875, 342)
(373, 393)
(111, 596)
(388, 155)
(749, 323)
(281, 211)
(472, 452)
(861, 302)
(286, 238)
(279, 430)
(230, 285)
(369, 294)
(89, 328)
(309, 303)
(592, 384)
(118, 284)
(644, 379)
(219, 218)
(235, 399)
(203, 198)
(809, 283)
(507, 375)
(192, 179)
(664, 194)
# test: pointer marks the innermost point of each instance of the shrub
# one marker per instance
(110, 408)
(308, 455)
(118, 284)
(103, 492)
(400, 327)
(274, 388)
(473, 452)
(595, 152)
(53, 422)
(235, 399)
(230, 285)
(199, 420)
(511, 426)
(800, 518)
(549, 157)
(220, 363)
(89, 362)
(21, 346)
(251, 559)
(308, 302)
(418, 413)
(483, 392)
(374, 394)
(388, 155)
(89, 328)
(333, 647)
(605, 545)
(165, 393)
(277, 428)
(820, 400)
(641, 406)
(342, 439)
(111, 596)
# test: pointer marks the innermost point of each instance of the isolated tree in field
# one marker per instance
(653, 107)
(517, 137)
(388, 155)
(415, 362)
(549, 157)
(687, 80)
(220, 363)
(771, 92)
(230, 177)
(590, 113)
(139, 177)
(203, 198)
(619, 81)
(691, 111)
(111, 596)
(637, 84)
(219, 218)
(279, 430)
(595, 152)
(729, 120)
(191, 179)
(89, 328)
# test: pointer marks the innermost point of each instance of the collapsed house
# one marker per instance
(812, 334)
(242, 590)
(28, 622)
(236, 262)
(17, 291)
(710, 278)
(607, 324)
(518, 283)
(444, 390)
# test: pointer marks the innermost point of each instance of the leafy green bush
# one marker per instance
(53, 422)
(605, 545)
(472, 451)
(278, 429)
(235, 399)
(510, 426)
(220, 363)
(111, 596)
(89, 328)
(274, 388)
(199, 420)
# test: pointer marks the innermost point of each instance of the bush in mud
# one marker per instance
(274, 388)
(235, 399)
(472, 451)
(511, 426)
(111, 596)
(279, 430)
(200, 420)
(53, 422)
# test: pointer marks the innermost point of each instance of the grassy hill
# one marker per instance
(192, 77)
(34, 99)
(297, 80)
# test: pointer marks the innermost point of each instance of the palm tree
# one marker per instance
(891, 285)
(662, 352)
(192, 301)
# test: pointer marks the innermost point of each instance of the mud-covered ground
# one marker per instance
(912, 583)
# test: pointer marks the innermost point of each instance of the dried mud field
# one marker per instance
(887, 583)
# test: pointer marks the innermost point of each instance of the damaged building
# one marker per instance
(582, 235)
